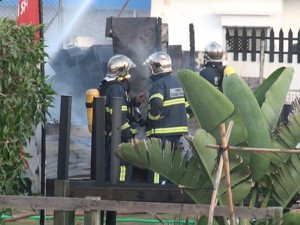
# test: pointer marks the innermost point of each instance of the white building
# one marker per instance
(211, 18)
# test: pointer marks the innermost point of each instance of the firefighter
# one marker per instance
(167, 114)
(116, 84)
(213, 69)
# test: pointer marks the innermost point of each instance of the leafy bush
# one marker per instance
(24, 97)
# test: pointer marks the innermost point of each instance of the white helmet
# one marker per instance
(213, 52)
(118, 68)
(159, 62)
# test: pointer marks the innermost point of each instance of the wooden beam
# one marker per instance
(85, 204)
(249, 149)
(174, 195)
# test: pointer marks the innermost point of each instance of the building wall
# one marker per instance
(208, 17)
(290, 15)
(211, 17)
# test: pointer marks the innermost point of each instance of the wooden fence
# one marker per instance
(93, 205)
(245, 40)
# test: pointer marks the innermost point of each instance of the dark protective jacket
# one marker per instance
(110, 90)
(167, 114)
(213, 72)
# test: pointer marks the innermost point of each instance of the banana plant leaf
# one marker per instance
(203, 220)
(209, 105)
(208, 159)
(260, 92)
(285, 181)
(275, 96)
(238, 134)
(244, 100)
(290, 218)
(195, 173)
(287, 136)
(240, 191)
(284, 176)
(178, 167)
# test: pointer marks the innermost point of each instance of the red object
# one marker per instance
(28, 12)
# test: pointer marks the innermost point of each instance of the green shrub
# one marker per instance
(24, 98)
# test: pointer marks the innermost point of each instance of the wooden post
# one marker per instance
(115, 139)
(64, 138)
(278, 214)
(214, 199)
(98, 142)
(227, 174)
(261, 61)
(61, 185)
(61, 189)
(92, 217)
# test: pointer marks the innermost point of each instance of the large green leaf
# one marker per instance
(291, 218)
(275, 96)
(285, 181)
(238, 134)
(240, 191)
(208, 159)
(209, 105)
(288, 135)
(177, 167)
(260, 92)
(194, 173)
(285, 175)
(244, 100)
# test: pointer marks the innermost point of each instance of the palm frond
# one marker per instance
(288, 135)
(179, 167)
(195, 173)
(285, 174)
(285, 181)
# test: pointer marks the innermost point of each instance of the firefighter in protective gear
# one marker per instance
(213, 69)
(116, 84)
(167, 113)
